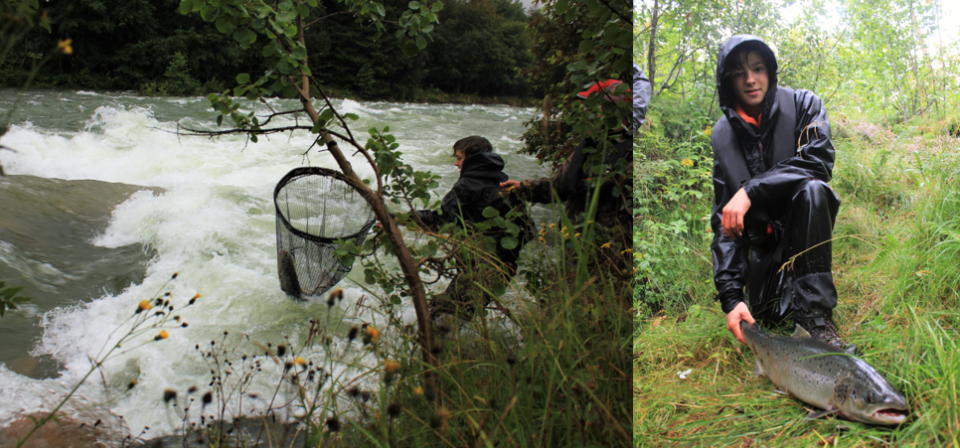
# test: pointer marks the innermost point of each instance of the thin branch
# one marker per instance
(616, 11)
(324, 17)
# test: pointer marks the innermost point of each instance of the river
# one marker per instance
(102, 204)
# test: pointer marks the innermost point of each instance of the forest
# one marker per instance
(888, 73)
(476, 48)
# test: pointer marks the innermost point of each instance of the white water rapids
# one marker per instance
(211, 219)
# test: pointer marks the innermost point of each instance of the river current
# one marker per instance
(103, 203)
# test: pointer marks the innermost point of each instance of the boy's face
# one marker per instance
(750, 81)
(458, 159)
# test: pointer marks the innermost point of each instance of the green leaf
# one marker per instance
(303, 10)
(199, 5)
(186, 6)
(351, 117)
(561, 6)
(284, 67)
(490, 212)
(269, 49)
(437, 7)
(410, 48)
(253, 138)
(586, 46)
(414, 5)
(220, 120)
(299, 53)
(318, 126)
(421, 42)
(207, 13)
(9, 292)
(326, 114)
(290, 91)
(224, 25)
(243, 78)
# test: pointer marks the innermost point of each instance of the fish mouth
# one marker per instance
(890, 415)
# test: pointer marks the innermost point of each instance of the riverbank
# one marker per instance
(895, 248)
(419, 96)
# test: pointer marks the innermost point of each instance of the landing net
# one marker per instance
(316, 207)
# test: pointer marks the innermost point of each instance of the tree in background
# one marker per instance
(478, 47)
(878, 56)
(575, 43)
(134, 44)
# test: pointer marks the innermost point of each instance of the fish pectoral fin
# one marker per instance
(813, 415)
(757, 367)
(800, 332)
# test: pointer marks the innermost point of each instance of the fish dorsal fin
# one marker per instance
(799, 332)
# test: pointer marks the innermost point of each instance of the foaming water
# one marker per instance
(210, 217)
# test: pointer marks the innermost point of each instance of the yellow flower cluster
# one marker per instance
(65, 46)
(372, 334)
(391, 367)
(687, 162)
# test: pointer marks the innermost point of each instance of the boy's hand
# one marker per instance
(739, 313)
(733, 213)
(509, 185)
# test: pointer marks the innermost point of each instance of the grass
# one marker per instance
(556, 375)
(897, 242)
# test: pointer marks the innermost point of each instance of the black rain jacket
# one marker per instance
(769, 184)
(478, 188)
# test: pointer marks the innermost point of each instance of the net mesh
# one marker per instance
(316, 207)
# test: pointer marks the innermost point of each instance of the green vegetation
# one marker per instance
(896, 240)
(149, 46)
(9, 297)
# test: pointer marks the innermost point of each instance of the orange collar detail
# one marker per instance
(739, 109)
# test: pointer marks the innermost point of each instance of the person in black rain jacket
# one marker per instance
(481, 172)
(773, 159)
(569, 181)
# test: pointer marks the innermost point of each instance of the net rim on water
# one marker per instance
(315, 171)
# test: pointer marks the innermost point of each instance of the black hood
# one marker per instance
(483, 165)
(723, 65)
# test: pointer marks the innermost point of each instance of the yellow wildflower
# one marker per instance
(163, 335)
(687, 162)
(552, 225)
(391, 367)
(372, 334)
(707, 131)
(542, 240)
(606, 245)
(299, 361)
(627, 251)
(145, 305)
(64, 46)
(418, 391)
(577, 235)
